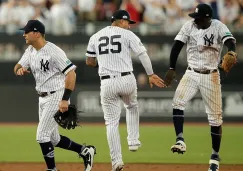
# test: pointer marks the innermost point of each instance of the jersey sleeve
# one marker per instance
(62, 62)
(136, 44)
(224, 33)
(184, 33)
(91, 48)
(24, 61)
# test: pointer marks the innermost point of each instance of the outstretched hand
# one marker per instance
(156, 80)
(169, 76)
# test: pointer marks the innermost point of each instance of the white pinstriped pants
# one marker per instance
(114, 90)
(210, 88)
(47, 129)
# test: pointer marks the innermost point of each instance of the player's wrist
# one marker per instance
(66, 95)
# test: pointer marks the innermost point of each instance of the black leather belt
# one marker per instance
(202, 71)
(44, 94)
(108, 76)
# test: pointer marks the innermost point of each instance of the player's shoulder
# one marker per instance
(29, 49)
(53, 48)
(100, 32)
(217, 23)
(189, 24)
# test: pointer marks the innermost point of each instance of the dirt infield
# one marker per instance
(107, 167)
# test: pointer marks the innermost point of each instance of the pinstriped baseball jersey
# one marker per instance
(204, 46)
(112, 47)
(49, 66)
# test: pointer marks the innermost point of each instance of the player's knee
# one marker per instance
(42, 137)
(176, 104)
(131, 105)
(55, 140)
(215, 119)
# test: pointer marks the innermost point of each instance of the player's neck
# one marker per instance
(39, 44)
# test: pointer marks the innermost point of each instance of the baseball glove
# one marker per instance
(229, 60)
(68, 119)
(169, 76)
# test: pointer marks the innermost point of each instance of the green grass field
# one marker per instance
(18, 144)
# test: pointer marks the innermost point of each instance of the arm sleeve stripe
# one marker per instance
(92, 53)
(226, 36)
(67, 68)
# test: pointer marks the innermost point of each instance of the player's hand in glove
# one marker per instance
(156, 80)
(169, 76)
(228, 61)
(68, 119)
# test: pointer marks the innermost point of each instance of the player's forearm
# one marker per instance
(16, 68)
(146, 62)
(230, 44)
(70, 80)
(69, 84)
(175, 51)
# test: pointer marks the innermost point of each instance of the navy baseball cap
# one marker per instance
(122, 14)
(34, 25)
(202, 11)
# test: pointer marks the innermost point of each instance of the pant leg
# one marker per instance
(47, 125)
(186, 90)
(210, 88)
(111, 106)
(128, 93)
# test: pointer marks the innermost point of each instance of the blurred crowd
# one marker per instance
(62, 17)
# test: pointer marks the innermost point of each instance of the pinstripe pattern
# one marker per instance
(47, 129)
(112, 47)
(202, 55)
(199, 55)
(113, 91)
(49, 66)
(53, 78)
(113, 63)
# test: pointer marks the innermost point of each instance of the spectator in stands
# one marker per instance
(239, 24)
(86, 10)
(229, 11)
(25, 12)
(43, 14)
(9, 17)
(109, 8)
(240, 2)
(62, 18)
(135, 9)
(37, 3)
(154, 13)
(186, 5)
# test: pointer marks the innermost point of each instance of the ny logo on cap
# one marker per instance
(196, 10)
(35, 29)
(124, 16)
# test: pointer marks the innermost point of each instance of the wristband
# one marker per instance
(67, 94)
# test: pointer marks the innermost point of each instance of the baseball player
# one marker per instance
(55, 80)
(205, 38)
(109, 49)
